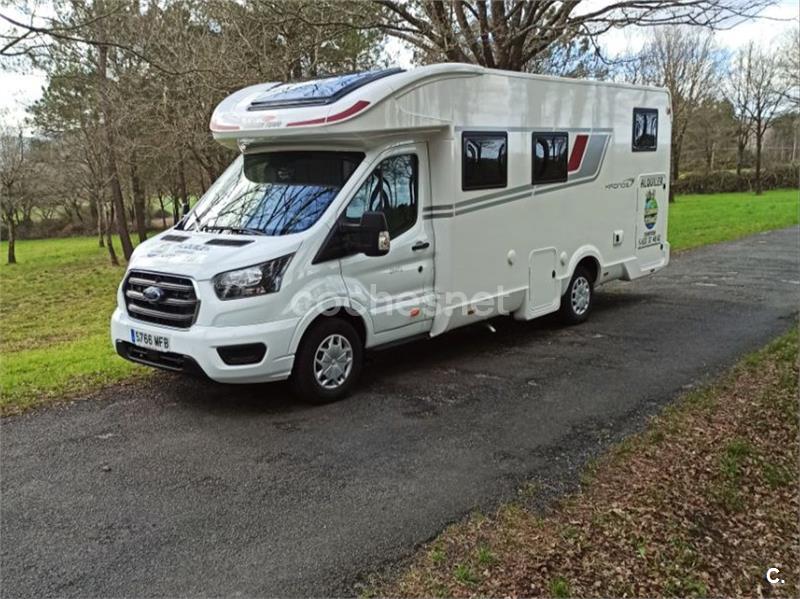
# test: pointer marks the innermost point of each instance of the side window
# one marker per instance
(645, 129)
(392, 189)
(484, 160)
(549, 157)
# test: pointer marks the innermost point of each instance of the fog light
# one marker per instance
(237, 355)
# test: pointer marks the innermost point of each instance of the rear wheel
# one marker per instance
(576, 303)
(328, 362)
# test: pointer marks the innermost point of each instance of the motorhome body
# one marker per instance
(376, 207)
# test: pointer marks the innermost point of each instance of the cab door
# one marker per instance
(396, 289)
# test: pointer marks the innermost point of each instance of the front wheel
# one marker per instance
(328, 362)
(576, 303)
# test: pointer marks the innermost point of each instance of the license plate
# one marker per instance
(149, 340)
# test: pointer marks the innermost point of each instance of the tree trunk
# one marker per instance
(93, 213)
(739, 158)
(139, 208)
(174, 200)
(163, 214)
(12, 240)
(116, 188)
(182, 183)
(112, 254)
(98, 216)
(759, 142)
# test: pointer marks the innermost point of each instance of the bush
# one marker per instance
(780, 177)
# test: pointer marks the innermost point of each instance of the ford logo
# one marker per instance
(153, 294)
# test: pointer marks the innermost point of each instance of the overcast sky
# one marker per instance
(19, 90)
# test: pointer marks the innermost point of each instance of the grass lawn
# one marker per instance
(697, 220)
(55, 307)
(700, 504)
(56, 303)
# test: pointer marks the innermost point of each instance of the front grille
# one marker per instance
(176, 306)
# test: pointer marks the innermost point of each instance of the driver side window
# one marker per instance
(392, 189)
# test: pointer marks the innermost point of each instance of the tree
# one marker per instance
(710, 132)
(511, 34)
(13, 171)
(737, 90)
(132, 86)
(789, 65)
(767, 96)
(757, 93)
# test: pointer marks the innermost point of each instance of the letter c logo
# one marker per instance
(772, 576)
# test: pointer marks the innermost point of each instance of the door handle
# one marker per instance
(420, 245)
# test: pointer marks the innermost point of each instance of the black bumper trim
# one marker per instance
(159, 359)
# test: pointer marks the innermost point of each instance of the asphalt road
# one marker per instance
(180, 488)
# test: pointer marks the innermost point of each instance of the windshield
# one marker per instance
(274, 193)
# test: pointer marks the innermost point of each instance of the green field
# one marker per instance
(697, 220)
(55, 306)
(56, 303)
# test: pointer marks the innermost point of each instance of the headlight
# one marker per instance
(253, 280)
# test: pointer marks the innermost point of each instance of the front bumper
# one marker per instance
(194, 350)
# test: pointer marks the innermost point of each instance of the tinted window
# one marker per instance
(549, 157)
(645, 129)
(318, 91)
(274, 193)
(392, 189)
(484, 160)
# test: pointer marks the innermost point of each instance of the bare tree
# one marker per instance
(737, 89)
(767, 95)
(757, 93)
(13, 167)
(789, 65)
(510, 34)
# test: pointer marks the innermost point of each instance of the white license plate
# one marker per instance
(149, 340)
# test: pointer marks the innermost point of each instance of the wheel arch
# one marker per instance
(588, 256)
(334, 308)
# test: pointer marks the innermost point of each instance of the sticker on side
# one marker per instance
(150, 341)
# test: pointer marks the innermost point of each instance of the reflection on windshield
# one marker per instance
(274, 193)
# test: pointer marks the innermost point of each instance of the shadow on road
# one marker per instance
(399, 360)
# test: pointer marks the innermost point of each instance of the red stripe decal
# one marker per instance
(309, 122)
(577, 152)
(357, 107)
(221, 127)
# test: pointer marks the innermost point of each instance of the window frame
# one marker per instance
(465, 135)
(646, 111)
(343, 215)
(535, 135)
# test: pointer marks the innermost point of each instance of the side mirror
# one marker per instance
(374, 234)
(370, 236)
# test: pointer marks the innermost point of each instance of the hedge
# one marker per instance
(781, 177)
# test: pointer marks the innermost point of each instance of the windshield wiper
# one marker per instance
(239, 230)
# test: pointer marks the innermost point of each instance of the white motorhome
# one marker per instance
(370, 208)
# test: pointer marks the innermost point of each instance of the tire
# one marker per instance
(576, 303)
(328, 341)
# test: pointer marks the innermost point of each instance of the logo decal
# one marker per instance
(650, 210)
(620, 184)
(153, 294)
